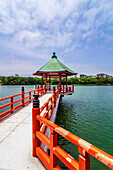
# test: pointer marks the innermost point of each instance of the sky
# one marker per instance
(79, 31)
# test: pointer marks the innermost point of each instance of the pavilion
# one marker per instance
(54, 69)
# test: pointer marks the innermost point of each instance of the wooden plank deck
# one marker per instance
(16, 140)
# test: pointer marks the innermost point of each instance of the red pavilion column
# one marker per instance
(49, 82)
(42, 82)
(60, 83)
(66, 83)
(46, 81)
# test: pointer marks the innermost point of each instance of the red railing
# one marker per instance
(67, 89)
(50, 162)
(25, 97)
(49, 105)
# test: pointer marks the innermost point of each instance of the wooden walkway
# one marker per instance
(16, 140)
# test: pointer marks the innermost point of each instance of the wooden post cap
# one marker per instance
(36, 101)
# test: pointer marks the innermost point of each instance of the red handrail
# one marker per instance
(84, 147)
(67, 89)
(29, 96)
(50, 162)
(49, 105)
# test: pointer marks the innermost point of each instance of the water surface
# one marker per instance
(88, 113)
(6, 91)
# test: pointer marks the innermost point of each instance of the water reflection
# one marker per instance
(65, 114)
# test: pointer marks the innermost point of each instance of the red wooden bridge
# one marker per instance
(13, 146)
(18, 128)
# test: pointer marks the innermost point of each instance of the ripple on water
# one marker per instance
(88, 113)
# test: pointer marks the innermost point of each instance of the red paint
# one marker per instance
(85, 148)
(29, 96)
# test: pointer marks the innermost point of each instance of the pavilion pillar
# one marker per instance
(60, 83)
(49, 82)
(42, 82)
(46, 82)
(66, 83)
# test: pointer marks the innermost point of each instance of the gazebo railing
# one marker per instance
(67, 89)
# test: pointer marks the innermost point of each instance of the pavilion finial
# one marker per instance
(54, 56)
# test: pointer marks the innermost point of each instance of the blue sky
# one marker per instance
(79, 31)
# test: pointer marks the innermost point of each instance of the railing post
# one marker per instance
(84, 160)
(30, 96)
(23, 97)
(35, 123)
(12, 104)
(38, 89)
(45, 88)
(54, 89)
(53, 143)
(47, 110)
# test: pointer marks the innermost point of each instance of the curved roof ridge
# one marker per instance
(54, 66)
(65, 66)
(45, 64)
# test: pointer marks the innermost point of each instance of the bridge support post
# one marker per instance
(84, 160)
(54, 97)
(53, 143)
(12, 104)
(35, 123)
(23, 97)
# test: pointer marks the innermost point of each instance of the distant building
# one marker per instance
(82, 75)
(102, 75)
(109, 76)
(91, 76)
(16, 75)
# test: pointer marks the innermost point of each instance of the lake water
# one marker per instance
(6, 91)
(88, 113)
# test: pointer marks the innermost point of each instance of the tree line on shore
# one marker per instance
(12, 80)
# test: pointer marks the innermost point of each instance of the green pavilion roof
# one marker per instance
(54, 67)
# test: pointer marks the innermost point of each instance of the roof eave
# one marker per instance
(38, 73)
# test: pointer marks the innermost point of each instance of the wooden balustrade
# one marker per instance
(50, 162)
(49, 105)
(67, 89)
(23, 99)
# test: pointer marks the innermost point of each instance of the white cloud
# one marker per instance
(29, 38)
(32, 28)
(19, 66)
(88, 33)
(87, 69)
(52, 19)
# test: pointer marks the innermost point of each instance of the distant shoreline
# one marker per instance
(56, 84)
(12, 80)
